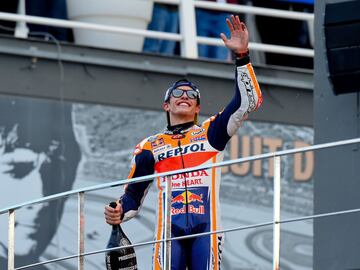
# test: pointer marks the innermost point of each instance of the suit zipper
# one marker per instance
(185, 180)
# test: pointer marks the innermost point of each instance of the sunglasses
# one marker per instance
(192, 94)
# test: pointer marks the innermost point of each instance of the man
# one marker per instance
(184, 144)
(165, 18)
(51, 9)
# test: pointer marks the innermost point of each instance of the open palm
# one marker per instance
(239, 36)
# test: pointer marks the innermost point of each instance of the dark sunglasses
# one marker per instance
(192, 94)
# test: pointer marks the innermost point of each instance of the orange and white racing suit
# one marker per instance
(195, 195)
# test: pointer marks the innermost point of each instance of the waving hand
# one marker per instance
(239, 36)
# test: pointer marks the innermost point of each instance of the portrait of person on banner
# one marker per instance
(39, 156)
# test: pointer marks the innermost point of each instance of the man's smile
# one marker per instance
(183, 103)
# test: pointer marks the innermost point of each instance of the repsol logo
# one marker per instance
(187, 149)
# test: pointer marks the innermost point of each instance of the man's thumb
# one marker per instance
(223, 37)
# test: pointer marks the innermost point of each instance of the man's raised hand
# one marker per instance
(239, 36)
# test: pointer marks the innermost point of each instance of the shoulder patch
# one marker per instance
(143, 145)
(157, 143)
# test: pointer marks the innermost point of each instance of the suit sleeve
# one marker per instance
(142, 164)
(247, 98)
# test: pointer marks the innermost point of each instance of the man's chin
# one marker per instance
(24, 248)
(185, 113)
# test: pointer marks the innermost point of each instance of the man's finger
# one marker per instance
(228, 22)
(112, 215)
(234, 22)
(113, 221)
(238, 22)
(109, 209)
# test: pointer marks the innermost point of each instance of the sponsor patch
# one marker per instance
(192, 210)
(197, 132)
(178, 136)
(190, 201)
(198, 138)
(157, 143)
(162, 148)
(249, 90)
(190, 148)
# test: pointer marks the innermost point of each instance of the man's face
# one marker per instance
(17, 188)
(182, 107)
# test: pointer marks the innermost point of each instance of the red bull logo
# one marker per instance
(180, 199)
(191, 197)
(195, 198)
(191, 209)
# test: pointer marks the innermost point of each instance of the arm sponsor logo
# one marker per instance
(249, 89)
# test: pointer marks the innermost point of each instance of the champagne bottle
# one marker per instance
(124, 258)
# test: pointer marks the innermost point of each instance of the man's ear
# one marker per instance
(197, 110)
(166, 106)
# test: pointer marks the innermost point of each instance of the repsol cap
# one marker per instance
(182, 82)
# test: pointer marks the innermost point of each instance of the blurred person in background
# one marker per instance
(294, 33)
(55, 9)
(209, 23)
(165, 18)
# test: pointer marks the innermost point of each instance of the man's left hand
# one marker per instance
(239, 36)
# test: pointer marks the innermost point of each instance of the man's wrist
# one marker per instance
(242, 61)
(240, 55)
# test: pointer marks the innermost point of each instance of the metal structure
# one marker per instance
(187, 36)
(276, 213)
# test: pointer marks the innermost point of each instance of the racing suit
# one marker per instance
(195, 195)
